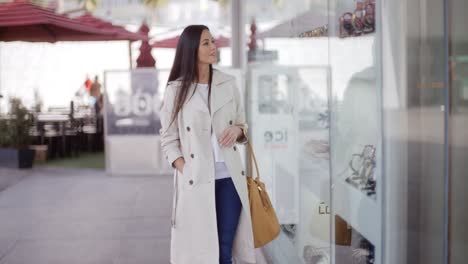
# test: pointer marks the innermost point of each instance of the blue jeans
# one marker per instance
(228, 209)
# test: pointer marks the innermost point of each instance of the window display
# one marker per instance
(361, 21)
(318, 129)
(355, 132)
(288, 109)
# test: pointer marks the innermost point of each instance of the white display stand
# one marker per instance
(135, 155)
(131, 122)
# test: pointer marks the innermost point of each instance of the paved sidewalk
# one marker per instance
(66, 216)
(9, 177)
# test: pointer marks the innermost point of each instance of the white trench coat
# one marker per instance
(194, 234)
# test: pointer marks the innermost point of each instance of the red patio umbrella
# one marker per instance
(118, 31)
(145, 59)
(24, 21)
(171, 43)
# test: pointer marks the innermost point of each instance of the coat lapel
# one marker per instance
(220, 94)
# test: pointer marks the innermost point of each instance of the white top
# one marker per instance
(220, 167)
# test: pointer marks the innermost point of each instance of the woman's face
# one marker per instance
(207, 49)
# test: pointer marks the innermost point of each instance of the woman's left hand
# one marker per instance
(230, 136)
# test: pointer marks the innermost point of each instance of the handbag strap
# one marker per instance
(252, 157)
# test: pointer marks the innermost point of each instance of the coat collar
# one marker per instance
(220, 77)
(220, 93)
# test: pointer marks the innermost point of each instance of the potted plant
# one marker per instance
(14, 137)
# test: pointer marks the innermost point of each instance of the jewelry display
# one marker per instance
(346, 25)
(316, 32)
(362, 167)
(360, 21)
(357, 19)
(369, 18)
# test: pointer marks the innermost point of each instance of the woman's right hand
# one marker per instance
(179, 164)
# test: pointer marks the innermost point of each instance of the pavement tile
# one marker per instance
(148, 227)
(63, 251)
(85, 217)
(144, 251)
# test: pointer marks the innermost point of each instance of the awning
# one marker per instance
(24, 21)
(118, 31)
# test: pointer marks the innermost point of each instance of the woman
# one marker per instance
(202, 119)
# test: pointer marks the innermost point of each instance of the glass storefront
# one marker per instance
(288, 100)
(358, 111)
(355, 132)
(458, 139)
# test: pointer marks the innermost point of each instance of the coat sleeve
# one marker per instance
(170, 140)
(240, 115)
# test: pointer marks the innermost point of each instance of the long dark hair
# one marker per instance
(185, 65)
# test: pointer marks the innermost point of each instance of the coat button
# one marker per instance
(243, 173)
(234, 148)
(230, 122)
(188, 128)
(191, 155)
(191, 182)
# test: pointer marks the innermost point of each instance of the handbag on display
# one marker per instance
(343, 232)
(265, 224)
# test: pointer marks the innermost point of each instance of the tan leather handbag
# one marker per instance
(264, 221)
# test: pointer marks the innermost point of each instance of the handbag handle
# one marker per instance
(252, 156)
(262, 193)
